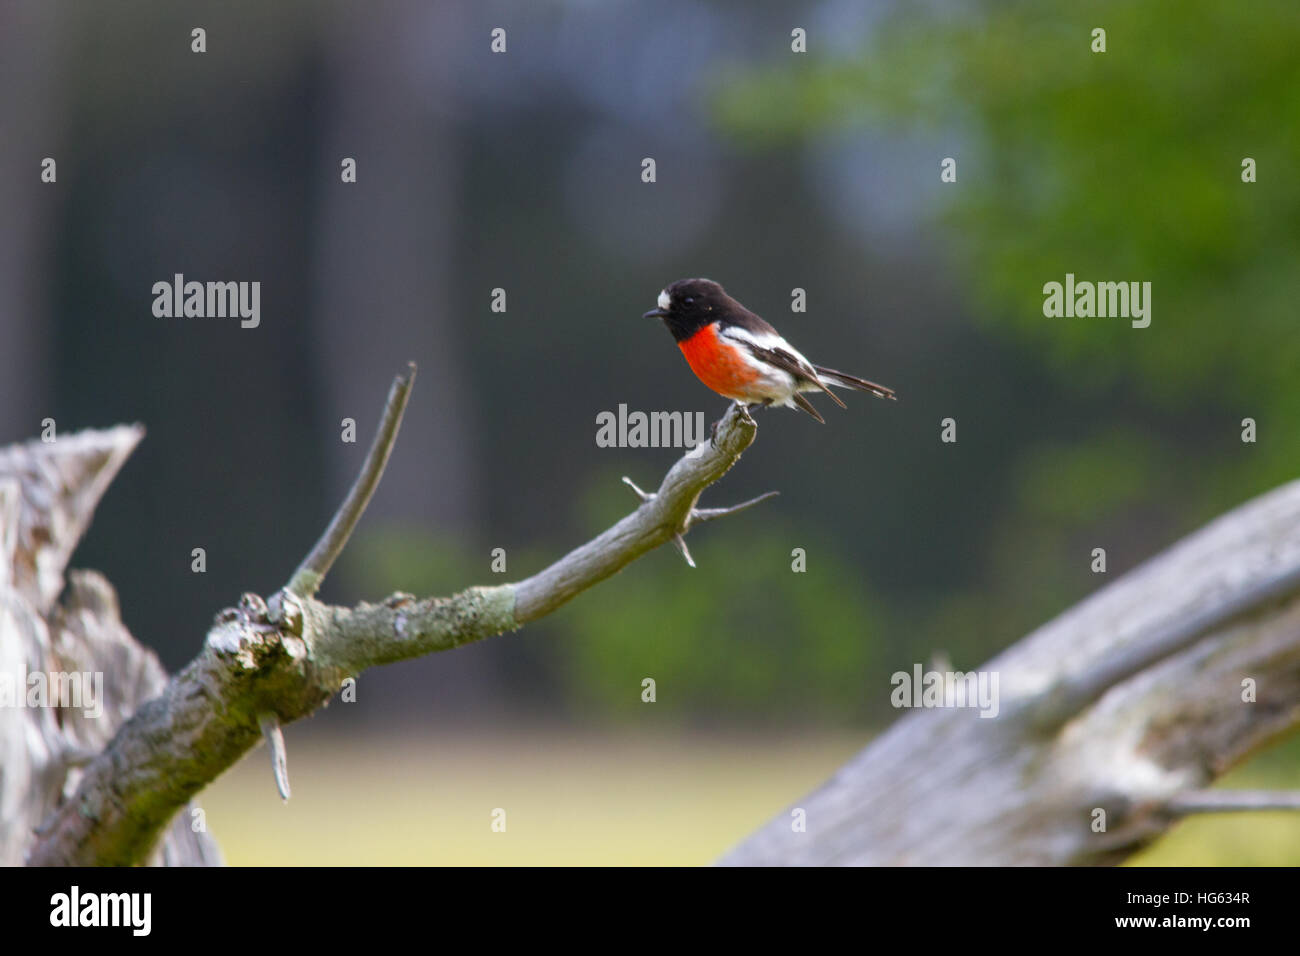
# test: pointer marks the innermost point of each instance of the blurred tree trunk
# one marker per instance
(386, 247)
(381, 275)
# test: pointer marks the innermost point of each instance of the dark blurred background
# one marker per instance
(775, 170)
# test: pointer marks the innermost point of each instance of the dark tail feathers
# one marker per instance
(852, 381)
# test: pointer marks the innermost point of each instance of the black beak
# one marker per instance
(655, 314)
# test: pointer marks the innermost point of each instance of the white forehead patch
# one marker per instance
(664, 300)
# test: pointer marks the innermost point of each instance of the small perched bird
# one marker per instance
(741, 357)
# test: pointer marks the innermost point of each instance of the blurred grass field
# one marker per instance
(570, 799)
(584, 799)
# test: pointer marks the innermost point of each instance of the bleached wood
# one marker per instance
(1128, 702)
(48, 494)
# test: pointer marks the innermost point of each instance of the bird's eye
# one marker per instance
(688, 301)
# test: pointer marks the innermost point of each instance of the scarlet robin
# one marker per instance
(740, 356)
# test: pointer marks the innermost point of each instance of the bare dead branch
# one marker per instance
(306, 581)
(1232, 801)
(1114, 719)
(266, 663)
(701, 515)
(274, 736)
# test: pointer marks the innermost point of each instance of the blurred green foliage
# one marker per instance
(740, 633)
(1123, 165)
